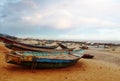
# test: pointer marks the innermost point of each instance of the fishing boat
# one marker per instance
(88, 56)
(44, 59)
(9, 43)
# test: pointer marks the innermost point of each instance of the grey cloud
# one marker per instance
(58, 15)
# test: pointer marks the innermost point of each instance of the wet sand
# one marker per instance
(97, 69)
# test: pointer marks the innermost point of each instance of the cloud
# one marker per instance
(60, 19)
(63, 15)
(91, 34)
(32, 19)
(94, 22)
(101, 35)
(70, 17)
(77, 13)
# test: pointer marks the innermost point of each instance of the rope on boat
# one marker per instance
(34, 64)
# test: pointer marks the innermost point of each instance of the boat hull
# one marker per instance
(49, 64)
(10, 43)
(40, 62)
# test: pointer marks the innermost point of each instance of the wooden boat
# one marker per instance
(43, 59)
(89, 56)
(9, 42)
(18, 47)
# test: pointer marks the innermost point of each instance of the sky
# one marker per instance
(61, 19)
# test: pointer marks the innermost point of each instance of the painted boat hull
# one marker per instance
(40, 62)
(50, 64)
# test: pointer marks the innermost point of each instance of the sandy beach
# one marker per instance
(105, 66)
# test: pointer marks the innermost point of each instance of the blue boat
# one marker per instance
(43, 59)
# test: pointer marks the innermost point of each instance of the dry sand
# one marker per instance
(96, 69)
